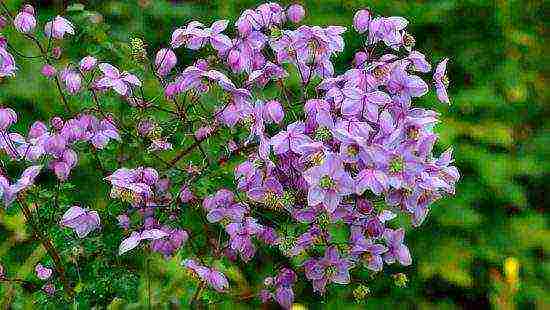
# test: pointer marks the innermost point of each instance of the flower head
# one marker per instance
(25, 21)
(442, 81)
(81, 220)
(58, 27)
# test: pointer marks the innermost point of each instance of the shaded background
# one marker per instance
(466, 252)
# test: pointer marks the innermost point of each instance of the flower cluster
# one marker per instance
(349, 154)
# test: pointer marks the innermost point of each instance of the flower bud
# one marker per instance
(295, 13)
(361, 21)
(165, 61)
(49, 289)
(43, 273)
(185, 194)
(87, 63)
(3, 22)
(274, 111)
(57, 123)
(7, 118)
(56, 52)
(360, 59)
(25, 22)
(48, 71)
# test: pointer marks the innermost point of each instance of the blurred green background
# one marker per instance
(487, 247)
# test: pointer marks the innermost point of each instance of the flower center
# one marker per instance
(409, 40)
(445, 80)
(323, 134)
(396, 165)
(352, 150)
(413, 133)
(330, 271)
(380, 72)
(326, 182)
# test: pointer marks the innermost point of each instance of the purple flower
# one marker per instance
(273, 111)
(329, 269)
(387, 29)
(43, 273)
(165, 61)
(113, 78)
(404, 86)
(222, 206)
(397, 251)
(291, 139)
(365, 104)
(418, 60)
(58, 27)
(193, 36)
(361, 21)
(134, 185)
(88, 63)
(3, 22)
(240, 234)
(102, 131)
(370, 251)
(211, 276)
(123, 221)
(48, 71)
(10, 192)
(7, 62)
(25, 21)
(81, 220)
(136, 237)
(328, 183)
(168, 246)
(295, 13)
(72, 80)
(49, 289)
(8, 117)
(442, 81)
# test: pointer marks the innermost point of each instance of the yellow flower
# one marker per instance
(511, 270)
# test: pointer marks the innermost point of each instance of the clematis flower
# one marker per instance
(282, 286)
(397, 251)
(211, 276)
(370, 252)
(442, 81)
(58, 27)
(119, 82)
(8, 117)
(175, 239)
(43, 273)
(81, 220)
(387, 29)
(7, 62)
(240, 237)
(328, 183)
(365, 104)
(25, 21)
(134, 185)
(329, 269)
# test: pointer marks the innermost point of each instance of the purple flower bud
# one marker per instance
(58, 27)
(57, 122)
(145, 127)
(295, 13)
(25, 22)
(274, 111)
(203, 132)
(165, 61)
(56, 52)
(361, 21)
(49, 289)
(7, 118)
(3, 22)
(87, 63)
(43, 273)
(232, 146)
(48, 71)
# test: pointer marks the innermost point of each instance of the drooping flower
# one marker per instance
(291, 139)
(331, 268)
(120, 82)
(442, 81)
(7, 62)
(58, 27)
(25, 21)
(81, 220)
(165, 61)
(8, 117)
(72, 80)
(10, 192)
(211, 276)
(175, 239)
(404, 86)
(328, 183)
(43, 273)
(387, 29)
